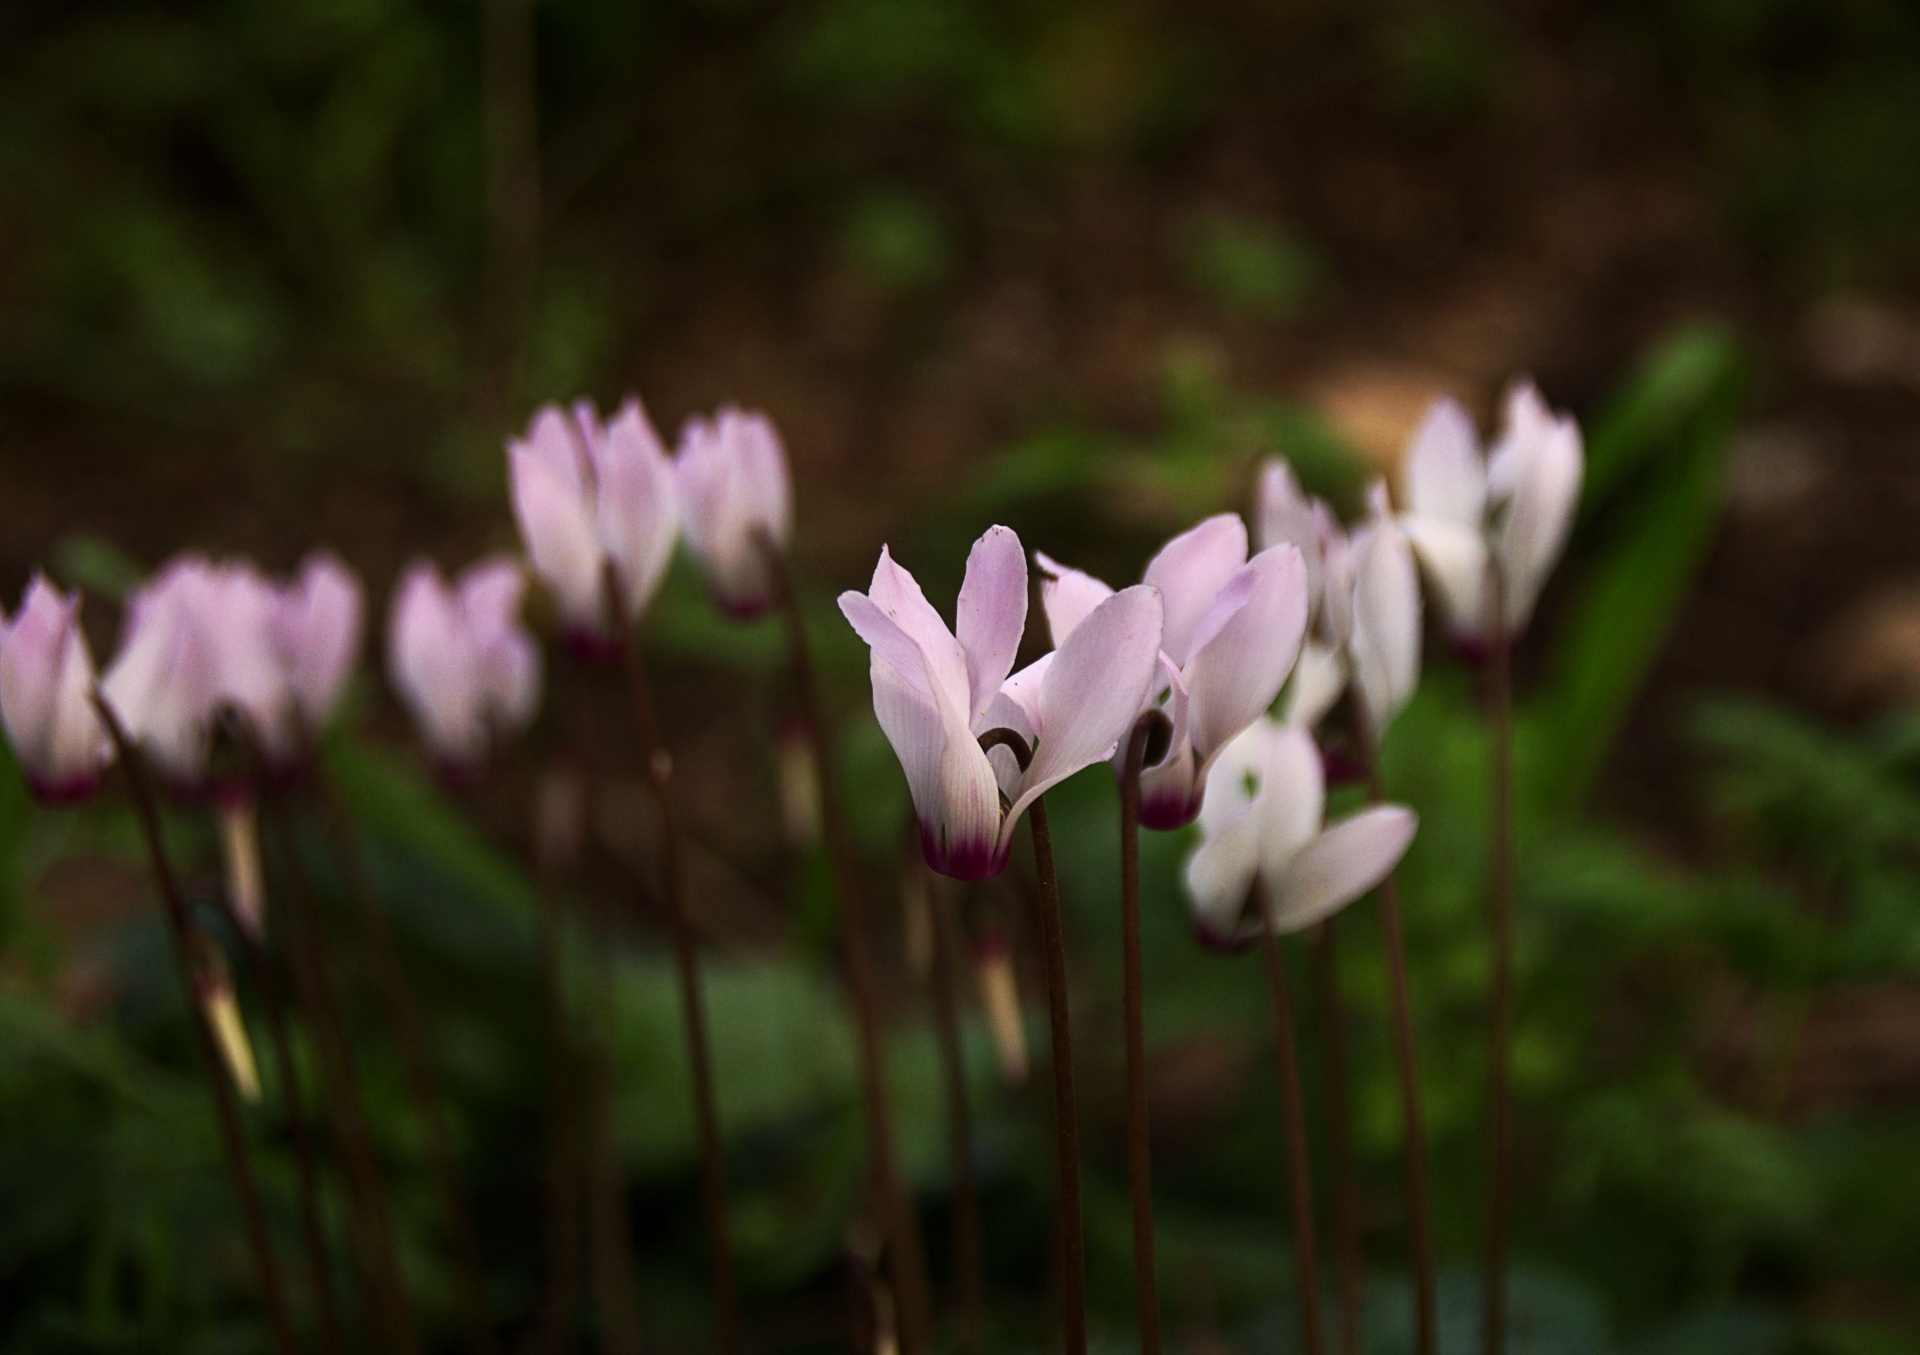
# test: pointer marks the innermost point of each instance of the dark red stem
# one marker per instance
(953, 1070)
(1139, 1145)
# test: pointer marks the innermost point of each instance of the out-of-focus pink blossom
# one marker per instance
(587, 495)
(46, 696)
(461, 660)
(735, 505)
(316, 629)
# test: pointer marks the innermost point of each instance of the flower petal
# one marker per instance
(1340, 865)
(1067, 596)
(1445, 475)
(991, 615)
(1292, 793)
(956, 795)
(1190, 571)
(1319, 678)
(1219, 877)
(556, 521)
(1455, 560)
(1386, 625)
(1239, 671)
(897, 593)
(1538, 517)
(1093, 689)
(636, 511)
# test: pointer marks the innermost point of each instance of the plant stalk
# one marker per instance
(180, 927)
(1346, 1184)
(1293, 1111)
(1066, 1122)
(906, 1265)
(423, 1083)
(713, 1176)
(953, 1069)
(564, 1148)
(1500, 1017)
(1406, 1053)
(1139, 1145)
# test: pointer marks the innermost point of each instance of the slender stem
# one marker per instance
(260, 969)
(423, 1084)
(377, 1255)
(1286, 1051)
(232, 1139)
(557, 1314)
(1066, 1122)
(1139, 1147)
(1413, 1118)
(713, 1173)
(1500, 1017)
(906, 1265)
(953, 1069)
(608, 1228)
(1346, 1185)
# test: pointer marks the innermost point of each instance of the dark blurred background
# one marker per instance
(273, 276)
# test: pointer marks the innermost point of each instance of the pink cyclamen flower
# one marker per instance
(586, 495)
(1263, 821)
(1233, 630)
(735, 505)
(198, 648)
(1287, 514)
(315, 631)
(46, 696)
(1510, 509)
(461, 660)
(936, 691)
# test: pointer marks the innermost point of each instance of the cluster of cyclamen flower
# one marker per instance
(207, 643)
(225, 678)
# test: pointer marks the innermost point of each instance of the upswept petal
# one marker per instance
(1286, 514)
(1446, 478)
(1067, 596)
(1093, 689)
(1538, 517)
(1319, 678)
(1526, 424)
(991, 615)
(636, 513)
(1234, 780)
(1190, 571)
(1239, 671)
(1220, 875)
(316, 633)
(1332, 600)
(556, 519)
(1291, 796)
(1386, 626)
(553, 438)
(897, 593)
(46, 687)
(956, 795)
(1454, 558)
(429, 664)
(1340, 865)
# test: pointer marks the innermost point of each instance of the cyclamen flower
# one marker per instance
(735, 505)
(1263, 823)
(585, 495)
(1365, 598)
(1233, 630)
(461, 660)
(315, 630)
(46, 696)
(1511, 509)
(199, 648)
(936, 691)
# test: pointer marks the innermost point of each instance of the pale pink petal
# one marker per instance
(1236, 676)
(1445, 475)
(890, 642)
(46, 687)
(1526, 425)
(897, 593)
(1319, 679)
(1067, 596)
(1386, 627)
(636, 515)
(956, 794)
(1219, 877)
(431, 663)
(1190, 571)
(553, 439)
(1286, 514)
(1538, 518)
(1292, 793)
(1092, 690)
(1340, 865)
(992, 614)
(556, 519)
(316, 634)
(1454, 559)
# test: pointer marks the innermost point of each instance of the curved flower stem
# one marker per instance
(260, 969)
(1500, 1015)
(1066, 1122)
(403, 1015)
(1413, 1118)
(1139, 1145)
(1346, 1192)
(1286, 1052)
(232, 1138)
(693, 1007)
(906, 1265)
(953, 1068)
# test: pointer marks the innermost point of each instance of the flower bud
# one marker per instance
(735, 505)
